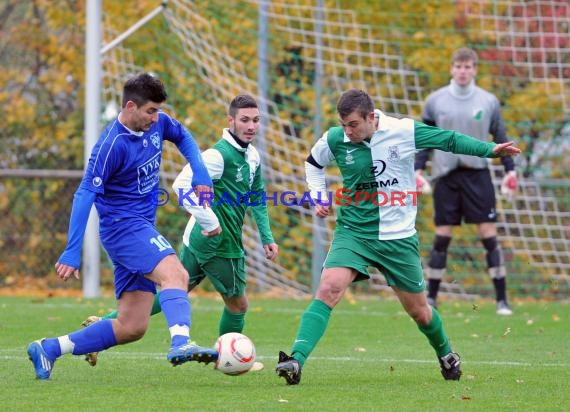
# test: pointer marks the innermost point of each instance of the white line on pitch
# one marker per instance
(162, 357)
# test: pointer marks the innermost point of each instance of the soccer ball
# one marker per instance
(236, 354)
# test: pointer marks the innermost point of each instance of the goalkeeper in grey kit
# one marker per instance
(463, 188)
(375, 160)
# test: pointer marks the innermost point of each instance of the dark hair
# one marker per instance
(144, 88)
(352, 100)
(241, 101)
(464, 55)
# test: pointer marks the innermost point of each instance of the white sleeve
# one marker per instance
(187, 198)
(316, 182)
(315, 176)
(321, 151)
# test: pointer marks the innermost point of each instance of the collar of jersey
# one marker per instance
(460, 92)
(229, 138)
(382, 121)
(138, 134)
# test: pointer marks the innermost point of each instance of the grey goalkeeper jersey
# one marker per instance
(476, 113)
(379, 198)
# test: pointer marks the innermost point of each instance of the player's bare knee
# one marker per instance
(185, 278)
(178, 273)
(237, 305)
(175, 278)
(170, 273)
(421, 315)
(330, 294)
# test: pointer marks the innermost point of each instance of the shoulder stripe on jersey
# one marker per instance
(108, 151)
(167, 116)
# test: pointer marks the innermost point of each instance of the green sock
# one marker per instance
(155, 309)
(110, 315)
(436, 334)
(231, 322)
(313, 325)
(155, 305)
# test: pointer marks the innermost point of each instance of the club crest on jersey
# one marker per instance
(155, 139)
(478, 114)
(145, 143)
(349, 159)
(239, 174)
(393, 153)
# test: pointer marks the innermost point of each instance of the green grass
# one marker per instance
(371, 358)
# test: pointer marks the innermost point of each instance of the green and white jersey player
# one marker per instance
(212, 245)
(235, 168)
(376, 219)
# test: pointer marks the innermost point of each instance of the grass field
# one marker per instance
(372, 358)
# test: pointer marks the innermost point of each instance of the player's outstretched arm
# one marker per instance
(506, 149)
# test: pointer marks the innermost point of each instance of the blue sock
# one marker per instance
(94, 338)
(176, 308)
(51, 346)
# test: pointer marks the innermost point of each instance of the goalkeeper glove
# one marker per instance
(509, 186)
(422, 185)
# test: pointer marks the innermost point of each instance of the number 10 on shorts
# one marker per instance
(161, 243)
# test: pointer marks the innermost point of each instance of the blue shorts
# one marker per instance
(135, 247)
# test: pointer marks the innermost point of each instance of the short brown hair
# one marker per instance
(241, 101)
(464, 55)
(352, 100)
(142, 89)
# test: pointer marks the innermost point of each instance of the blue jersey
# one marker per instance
(124, 166)
(121, 179)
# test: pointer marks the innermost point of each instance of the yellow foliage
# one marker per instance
(42, 105)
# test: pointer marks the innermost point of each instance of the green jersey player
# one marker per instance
(212, 242)
(376, 219)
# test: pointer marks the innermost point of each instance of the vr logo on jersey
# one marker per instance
(155, 139)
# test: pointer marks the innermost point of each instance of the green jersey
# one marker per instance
(378, 199)
(238, 183)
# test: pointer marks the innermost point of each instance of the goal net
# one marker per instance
(399, 54)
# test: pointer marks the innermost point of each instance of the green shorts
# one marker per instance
(226, 274)
(398, 259)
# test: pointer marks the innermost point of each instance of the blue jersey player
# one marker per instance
(121, 180)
